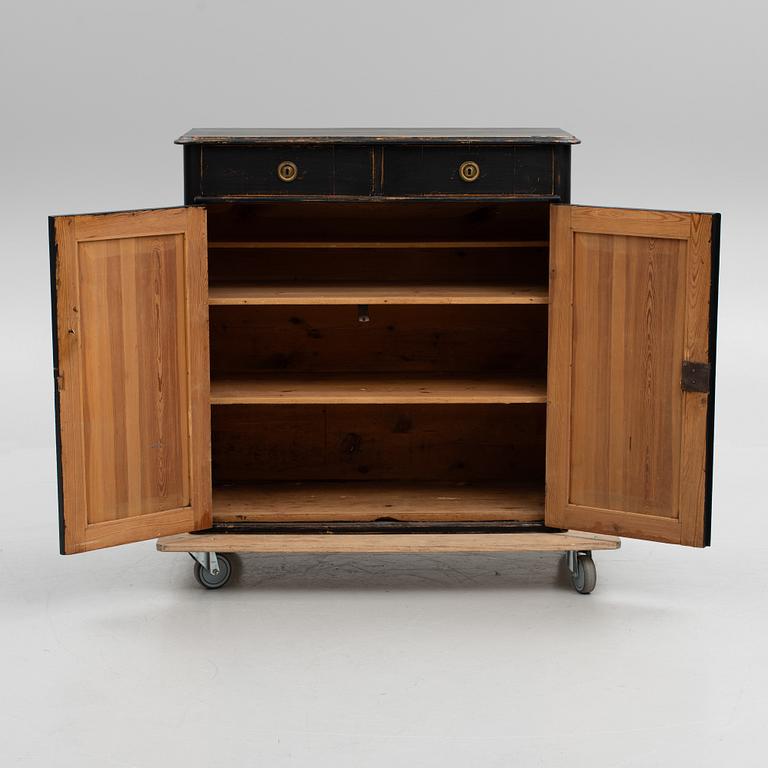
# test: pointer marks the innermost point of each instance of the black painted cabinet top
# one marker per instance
(377, 136)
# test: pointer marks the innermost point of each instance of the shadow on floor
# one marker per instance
(399, 572)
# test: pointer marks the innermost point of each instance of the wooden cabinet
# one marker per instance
(407, 339)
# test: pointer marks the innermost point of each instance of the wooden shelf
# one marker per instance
(366, 501)
(375, 388)
(366, 293)
(378, 244)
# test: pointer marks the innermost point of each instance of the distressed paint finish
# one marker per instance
(376, 135)
(358, 164)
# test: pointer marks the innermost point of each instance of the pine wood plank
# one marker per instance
(626, 447)
(627, 221)
(449, 444)
(454, 339)
(375, 388)
(342, 543)
(366, 501)
(133, 375)
(365, 293)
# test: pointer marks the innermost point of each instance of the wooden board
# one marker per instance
(409, 222)
(132, 380)
(510, 340)
(366, 136)
(626, 445)
(367, 293)
(445, 443)
(365, 501)
(386, 543)
(381, 266)
(460, 243)
(375, 388)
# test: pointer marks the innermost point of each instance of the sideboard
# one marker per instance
(383, 341)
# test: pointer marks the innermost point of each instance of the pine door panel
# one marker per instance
(628, 448)
(131, 316)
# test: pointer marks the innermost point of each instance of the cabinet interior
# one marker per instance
(380, 360)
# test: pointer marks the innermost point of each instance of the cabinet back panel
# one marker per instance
(414, 264)
(396, 339)
(379, 220)
(385, 442)
(382, 242)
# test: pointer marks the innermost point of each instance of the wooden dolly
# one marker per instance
(213, 568)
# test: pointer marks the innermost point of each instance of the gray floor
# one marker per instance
(118, 658)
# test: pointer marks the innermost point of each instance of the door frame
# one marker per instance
(701, 232)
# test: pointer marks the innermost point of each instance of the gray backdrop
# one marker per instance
(114, 658)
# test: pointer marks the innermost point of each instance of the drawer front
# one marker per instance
(473, 170)
(248, 171)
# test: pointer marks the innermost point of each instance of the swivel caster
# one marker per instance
(583, 572)
(212, 570)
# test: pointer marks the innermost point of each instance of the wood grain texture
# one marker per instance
(378, 389)
(637, 223)
(420, 443)
(695, 404)
(133, 378)
(393, 543)
(260, 294)
(626, 446)
(365, 501)
(405, 224)
(508, 341)
(384, 266)
(375, 135)
(626, 400)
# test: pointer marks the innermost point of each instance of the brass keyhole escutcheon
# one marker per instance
(287, 171)
(469, 170)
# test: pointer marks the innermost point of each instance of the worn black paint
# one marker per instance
(563, 172)
(252, 171)
(239, 171)
(376, 136)
(710, 457)
(192, 191)
(53, 252)
(434, 170)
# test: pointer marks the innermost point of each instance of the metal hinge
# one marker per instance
(695, 377)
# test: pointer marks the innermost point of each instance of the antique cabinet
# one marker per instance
(383, 341)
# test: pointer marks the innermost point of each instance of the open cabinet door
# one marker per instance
(130, 327)
(631, 372)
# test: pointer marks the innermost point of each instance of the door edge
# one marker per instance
(710, 434)
(53, 254)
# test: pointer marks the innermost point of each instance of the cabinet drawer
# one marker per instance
(248, 171)
(474, 170)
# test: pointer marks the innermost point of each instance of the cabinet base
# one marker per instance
(339, 543)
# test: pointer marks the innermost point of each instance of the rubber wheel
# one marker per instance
(585, 578)
(206, 579)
